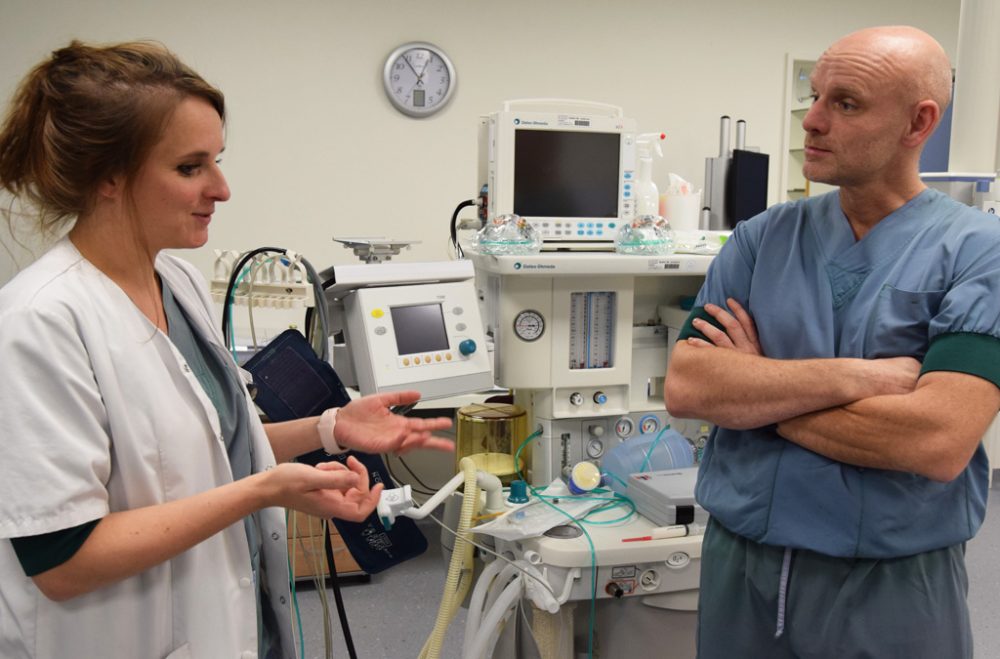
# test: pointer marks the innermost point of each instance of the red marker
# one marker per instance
(660, 532)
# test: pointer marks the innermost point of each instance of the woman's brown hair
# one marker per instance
(86, 114)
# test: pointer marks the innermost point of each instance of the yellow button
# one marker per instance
(377, 313)
(406, 361)
(427, 359)
(437, 358)
(448, 356)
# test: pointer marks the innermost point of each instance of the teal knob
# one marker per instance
(467, 347)
(518, 492)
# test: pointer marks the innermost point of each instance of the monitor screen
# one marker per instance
(566, 173)
(419, 328)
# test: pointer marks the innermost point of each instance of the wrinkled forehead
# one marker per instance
(861, 65)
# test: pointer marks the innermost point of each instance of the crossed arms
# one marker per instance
(878, 413)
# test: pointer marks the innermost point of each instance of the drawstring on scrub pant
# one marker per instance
(786, 569)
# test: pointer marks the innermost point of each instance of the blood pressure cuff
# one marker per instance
(374, 548)
(293, 383)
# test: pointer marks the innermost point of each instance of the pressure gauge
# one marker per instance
(418, 79)
(623, 427)
(529, 325)
(595, 448)
(649, 424)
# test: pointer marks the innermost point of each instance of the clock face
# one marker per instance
(418, 79)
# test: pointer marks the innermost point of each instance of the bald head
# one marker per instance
(905, 57)
(878, 95)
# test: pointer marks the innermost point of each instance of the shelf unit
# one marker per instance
(797, 100)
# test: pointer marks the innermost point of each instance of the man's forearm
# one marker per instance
(932, 431)
(738, 390)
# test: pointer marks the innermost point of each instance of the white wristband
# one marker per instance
(327, 422)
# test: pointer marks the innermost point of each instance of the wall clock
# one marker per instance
(418, 78)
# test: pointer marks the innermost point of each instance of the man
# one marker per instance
(848, 349)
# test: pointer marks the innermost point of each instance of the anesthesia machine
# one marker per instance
(581, 334)
(581, 337)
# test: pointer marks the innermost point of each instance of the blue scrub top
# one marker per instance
(924, 283)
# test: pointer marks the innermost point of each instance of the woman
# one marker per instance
(140, 492)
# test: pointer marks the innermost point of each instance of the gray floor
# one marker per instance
(393, 615)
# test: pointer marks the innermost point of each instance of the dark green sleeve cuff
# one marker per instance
(40, 553)
(964, 352)
(689, 331)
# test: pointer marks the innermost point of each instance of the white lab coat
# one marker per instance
(100, 413)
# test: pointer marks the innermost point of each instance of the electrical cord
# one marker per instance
(467, 537)
(320, 300)
(323, 321)
(319, 584)
(415, 477)
(230, 339)
(338, 598)
(254, 270)
(399, 481)
(318, 296)
(454, 223)
(312, 557)
(227, 311)
(296, 612)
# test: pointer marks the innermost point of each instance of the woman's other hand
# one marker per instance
(329, 489)
(368, 425)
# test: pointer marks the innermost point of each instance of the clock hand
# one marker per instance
(407, 60)
(423, 69)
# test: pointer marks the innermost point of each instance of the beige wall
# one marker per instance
(315, 149)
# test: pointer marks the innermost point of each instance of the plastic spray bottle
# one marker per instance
(647, 197)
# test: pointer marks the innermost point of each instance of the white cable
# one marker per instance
(476, 602)
(544, 600)
(571, 576)
(254, 267)
(316, 568)
(505, 616)
(505, 576)
(294, 612)
(468, 538)
(507, 600)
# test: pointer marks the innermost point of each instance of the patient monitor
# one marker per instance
(568, 167)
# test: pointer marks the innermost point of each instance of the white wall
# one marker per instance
(315, 149)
